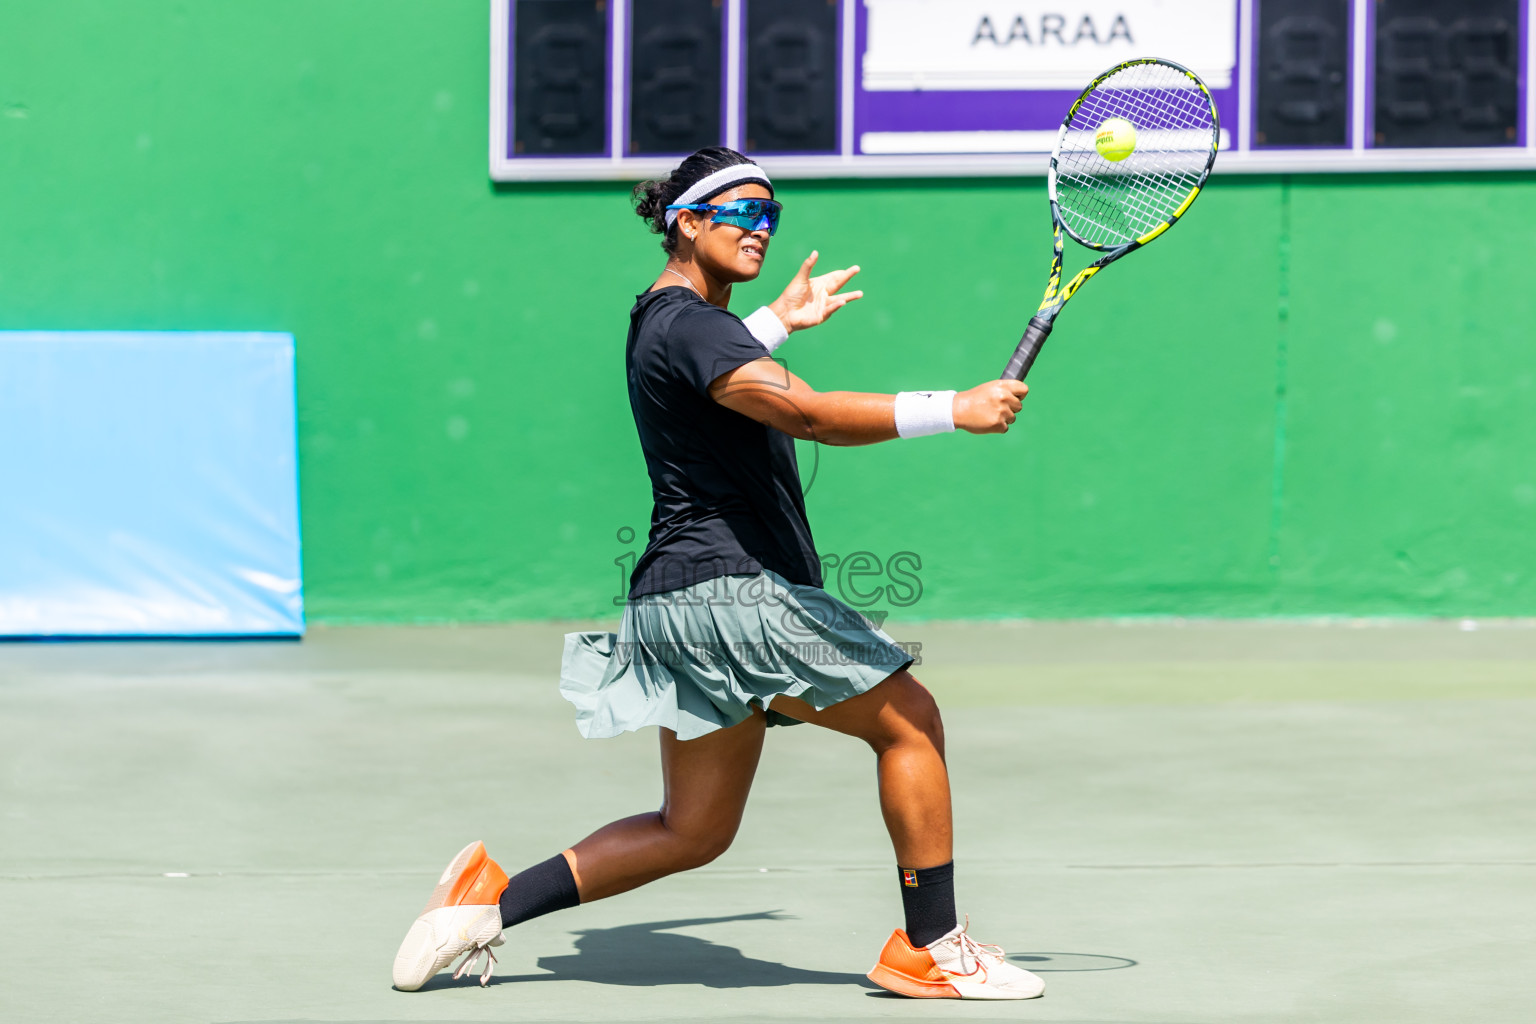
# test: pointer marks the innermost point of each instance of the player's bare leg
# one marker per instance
(705, 784)
(933, 957)
(900, 721)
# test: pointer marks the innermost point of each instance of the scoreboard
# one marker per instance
(591, 89)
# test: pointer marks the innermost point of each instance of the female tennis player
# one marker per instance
(727, 629)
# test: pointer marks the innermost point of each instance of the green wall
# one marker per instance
(1313, 397)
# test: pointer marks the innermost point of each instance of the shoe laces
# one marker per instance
(473, 955)
(976, 952)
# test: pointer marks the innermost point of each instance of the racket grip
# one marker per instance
(1029, 346)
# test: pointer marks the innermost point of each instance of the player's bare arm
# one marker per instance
(767, 392)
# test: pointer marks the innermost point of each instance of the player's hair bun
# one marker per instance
(651, 198)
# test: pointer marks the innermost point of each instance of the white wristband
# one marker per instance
(924, 412)
(767, 328)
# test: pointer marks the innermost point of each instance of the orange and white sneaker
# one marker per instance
(463, 916)
(953, 967)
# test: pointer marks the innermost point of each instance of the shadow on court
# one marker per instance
(1063, 963)
(649, 954)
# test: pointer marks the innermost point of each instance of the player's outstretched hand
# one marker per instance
(989, 408)
(809, 300)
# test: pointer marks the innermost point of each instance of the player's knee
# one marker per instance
(697, 851)
(695, 844)
(922, 712)
(912, 716)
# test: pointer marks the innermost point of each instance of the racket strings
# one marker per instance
(1125, 202)
(1129, 201)
(1108, 204)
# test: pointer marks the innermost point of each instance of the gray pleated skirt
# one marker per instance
(701, 658)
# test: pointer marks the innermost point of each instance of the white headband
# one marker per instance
(713, 184)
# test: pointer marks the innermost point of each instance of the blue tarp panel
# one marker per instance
(148, 485)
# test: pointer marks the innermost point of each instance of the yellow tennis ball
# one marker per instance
(1115, 140)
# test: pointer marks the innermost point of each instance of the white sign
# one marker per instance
(1057, 44)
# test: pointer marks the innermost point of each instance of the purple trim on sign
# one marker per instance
(1244, 71)
(1350, 79)
(957, 111)
(860, 97)
(839, 71)
(962, 111)
(1226, 108)
(740, 142)
(625, 128)
(726, 28)
(1249, 61)
(610, 11)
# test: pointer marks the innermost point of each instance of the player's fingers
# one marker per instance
(805, 268)
(838, 278)
(843, 300)
(1018, 387)
(1005, 393)
(835, 302)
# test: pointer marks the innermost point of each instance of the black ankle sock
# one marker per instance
(928, 897)
(542, 889)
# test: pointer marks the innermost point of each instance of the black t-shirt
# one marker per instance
(727, 488)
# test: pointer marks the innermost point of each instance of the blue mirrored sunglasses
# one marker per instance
(752, 214)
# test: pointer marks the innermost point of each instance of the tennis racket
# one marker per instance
(1131, 156)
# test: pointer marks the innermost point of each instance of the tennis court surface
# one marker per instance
(1212, 823)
